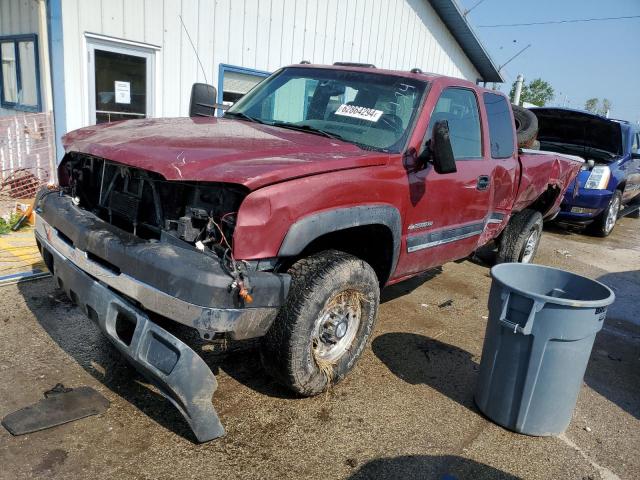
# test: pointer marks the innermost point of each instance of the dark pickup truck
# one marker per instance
(284, 219)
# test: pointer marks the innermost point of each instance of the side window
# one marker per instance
(636, 141)
(500, 125)
(20, 73)
(459, 107)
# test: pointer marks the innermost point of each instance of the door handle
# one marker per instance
(483, 182)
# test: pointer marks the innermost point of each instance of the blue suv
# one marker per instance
(608, 186)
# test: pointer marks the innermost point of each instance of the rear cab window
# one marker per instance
(500, 125)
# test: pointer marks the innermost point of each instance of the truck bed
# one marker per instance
(541, 170)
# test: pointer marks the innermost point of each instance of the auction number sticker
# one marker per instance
(363, 113)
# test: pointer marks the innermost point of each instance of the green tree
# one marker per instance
(537, 91)
(594, 105)
(591, 105)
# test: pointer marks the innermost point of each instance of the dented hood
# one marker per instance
(219, 150)
(575, 127)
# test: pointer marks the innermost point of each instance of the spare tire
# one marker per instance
(526, 126)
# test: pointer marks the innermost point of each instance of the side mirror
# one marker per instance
(441, 150)
(203, 100)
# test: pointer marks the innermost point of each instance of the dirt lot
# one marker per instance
(406, 411)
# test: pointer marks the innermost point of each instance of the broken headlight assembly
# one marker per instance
(143, 203)
(598, 178)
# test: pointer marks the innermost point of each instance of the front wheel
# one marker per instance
(603, 225)
(324, 326)
(521, 237)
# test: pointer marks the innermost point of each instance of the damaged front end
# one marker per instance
(128, 246)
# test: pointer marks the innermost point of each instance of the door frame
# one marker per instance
(225, 67)
(126, 47)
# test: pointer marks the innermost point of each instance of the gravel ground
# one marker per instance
(405, 411)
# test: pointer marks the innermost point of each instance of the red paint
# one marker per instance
(217, 150)
(292, 174)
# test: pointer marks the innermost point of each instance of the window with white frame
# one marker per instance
(20, 73)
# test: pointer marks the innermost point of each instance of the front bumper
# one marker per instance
(179, 373)
(594, 200)
(117, 279)
(178, 283)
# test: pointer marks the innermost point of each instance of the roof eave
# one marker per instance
(455, 21)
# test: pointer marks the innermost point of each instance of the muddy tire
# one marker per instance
(324, 326)
(521, 237)
(605, 222)
(526, 126)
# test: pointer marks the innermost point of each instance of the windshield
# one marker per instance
(371, 110)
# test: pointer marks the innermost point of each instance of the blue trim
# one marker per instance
(56, 53)
(225, 67)
(17, 39)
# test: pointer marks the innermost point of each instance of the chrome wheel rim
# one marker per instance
(612, 214)
(530, 247)
(336, 327)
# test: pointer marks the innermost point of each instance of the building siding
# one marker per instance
(257, 34)
(18, 16)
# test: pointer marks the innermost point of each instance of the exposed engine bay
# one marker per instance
(589, 136)
(144, 204)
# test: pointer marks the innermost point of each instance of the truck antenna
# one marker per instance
(194, 49)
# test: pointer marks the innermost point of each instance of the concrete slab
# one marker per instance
(19, 253)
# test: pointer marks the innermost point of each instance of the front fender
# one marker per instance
(282, 219)
(311, 227)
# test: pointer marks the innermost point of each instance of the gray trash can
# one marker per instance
(542, 324)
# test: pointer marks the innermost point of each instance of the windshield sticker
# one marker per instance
(363, 113)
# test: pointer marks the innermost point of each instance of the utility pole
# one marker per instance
(518, 91)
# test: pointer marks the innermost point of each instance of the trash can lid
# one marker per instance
(553, 285)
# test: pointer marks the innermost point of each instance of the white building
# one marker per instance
(92, 61)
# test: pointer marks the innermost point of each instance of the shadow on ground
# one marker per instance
(566, 230)
(80, 338)
(626, 286)
(407, 286)
(417, 359)
(436, 467)
(614, 368)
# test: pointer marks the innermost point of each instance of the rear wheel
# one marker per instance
(521, 237)
(324, 326)
(606, 221)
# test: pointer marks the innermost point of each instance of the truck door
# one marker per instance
(448, 213)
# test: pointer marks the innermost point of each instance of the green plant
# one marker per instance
(537, 91)
(5, 225)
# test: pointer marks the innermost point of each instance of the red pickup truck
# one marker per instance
(285, 218)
